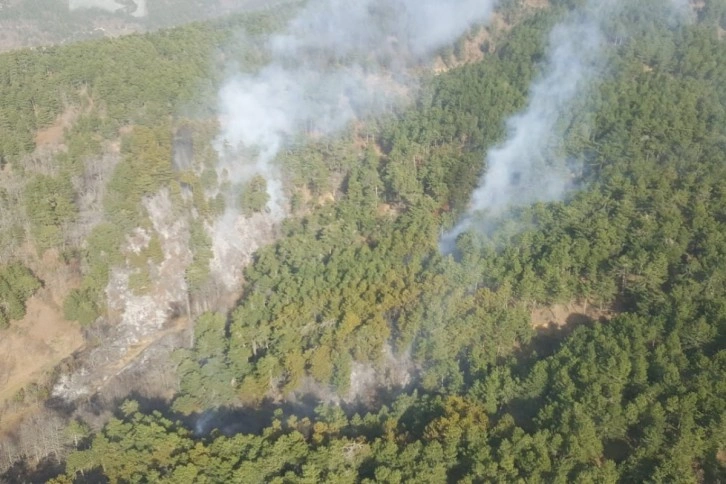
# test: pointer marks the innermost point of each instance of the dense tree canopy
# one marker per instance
(360, 285)
(17, 284)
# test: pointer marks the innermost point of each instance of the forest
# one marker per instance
(355, 350)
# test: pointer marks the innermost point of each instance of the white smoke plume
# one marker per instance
(329, 65)
(526, 168)
(336, 60)
(529, 166)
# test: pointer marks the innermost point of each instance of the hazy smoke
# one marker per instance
(337, 60)
(137, 8)
(529, 166)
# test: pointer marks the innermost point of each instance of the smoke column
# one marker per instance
(527, 167)
(336, 61)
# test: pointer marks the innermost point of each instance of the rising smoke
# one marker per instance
(529, 166)
(336, 60)
(526, 168)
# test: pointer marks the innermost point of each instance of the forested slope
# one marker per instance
(639, 397)
(465, 389)
(87, 133)
(103, 89)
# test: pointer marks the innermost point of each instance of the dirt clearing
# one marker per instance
(34, 345)
(558, 316)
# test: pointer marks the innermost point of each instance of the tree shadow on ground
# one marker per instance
(21, 471)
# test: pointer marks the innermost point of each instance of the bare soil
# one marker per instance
(559, 316)
(31, 348)
(471, 52)
(53, 134)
